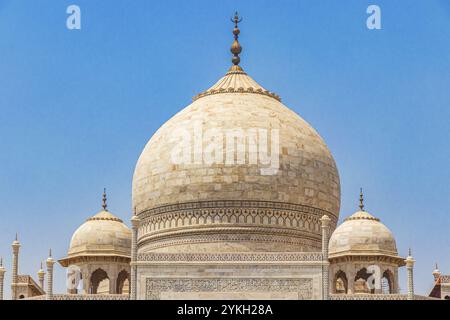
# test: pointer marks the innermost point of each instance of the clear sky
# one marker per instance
(78, 106)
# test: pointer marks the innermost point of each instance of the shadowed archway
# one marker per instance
(340, 283)
(123, 282)
(99, 282)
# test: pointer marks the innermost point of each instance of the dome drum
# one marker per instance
(231, 226)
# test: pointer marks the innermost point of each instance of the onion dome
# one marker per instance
(101, 235)
(199, 187)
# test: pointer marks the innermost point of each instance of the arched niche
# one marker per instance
(99, 282)
(123, 282)
(340, 284)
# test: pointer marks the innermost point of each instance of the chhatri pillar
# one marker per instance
(97, 261)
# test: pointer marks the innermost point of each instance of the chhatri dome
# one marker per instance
(359, 247)
(195, 188)
(362, 234)
(100, 250)
(101, 234)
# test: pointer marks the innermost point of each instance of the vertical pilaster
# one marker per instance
(50, 262)
(113, 274)
(15, 268)
(325, 220)
(133, 285)
(351, 280)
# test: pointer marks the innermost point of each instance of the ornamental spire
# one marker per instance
(236, 48)
(104, 205)
(361, 199)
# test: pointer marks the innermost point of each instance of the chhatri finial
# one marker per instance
(409, 252)
(50, 253)
(1, 262)
(236, 48)
(361, 200)
(104, 205)
(17, 237)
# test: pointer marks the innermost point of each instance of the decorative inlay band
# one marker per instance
(237, 81)
(227, 235)
(263, 213)
(302, 287)
(231, 220)
(230, 257)
(238, 90)
(104, 219)
(376, 297)
(226, 204)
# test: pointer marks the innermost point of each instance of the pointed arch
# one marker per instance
(387, 282)
(340, 283)
(123, 282)
(361, 282)
(99, 282)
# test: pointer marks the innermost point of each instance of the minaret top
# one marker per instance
(361, 200)
(236, 48)
(104, 205)
(436, 272)
(50, 260)
(16, 242)
(409, 259)
(41, 270)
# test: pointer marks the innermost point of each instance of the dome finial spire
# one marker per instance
(236, 48)
(361, 199)
(104, 205)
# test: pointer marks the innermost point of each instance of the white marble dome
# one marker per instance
(103, 234)
(362, 234)
(235, 206)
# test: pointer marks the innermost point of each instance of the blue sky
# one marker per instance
(77, 107)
